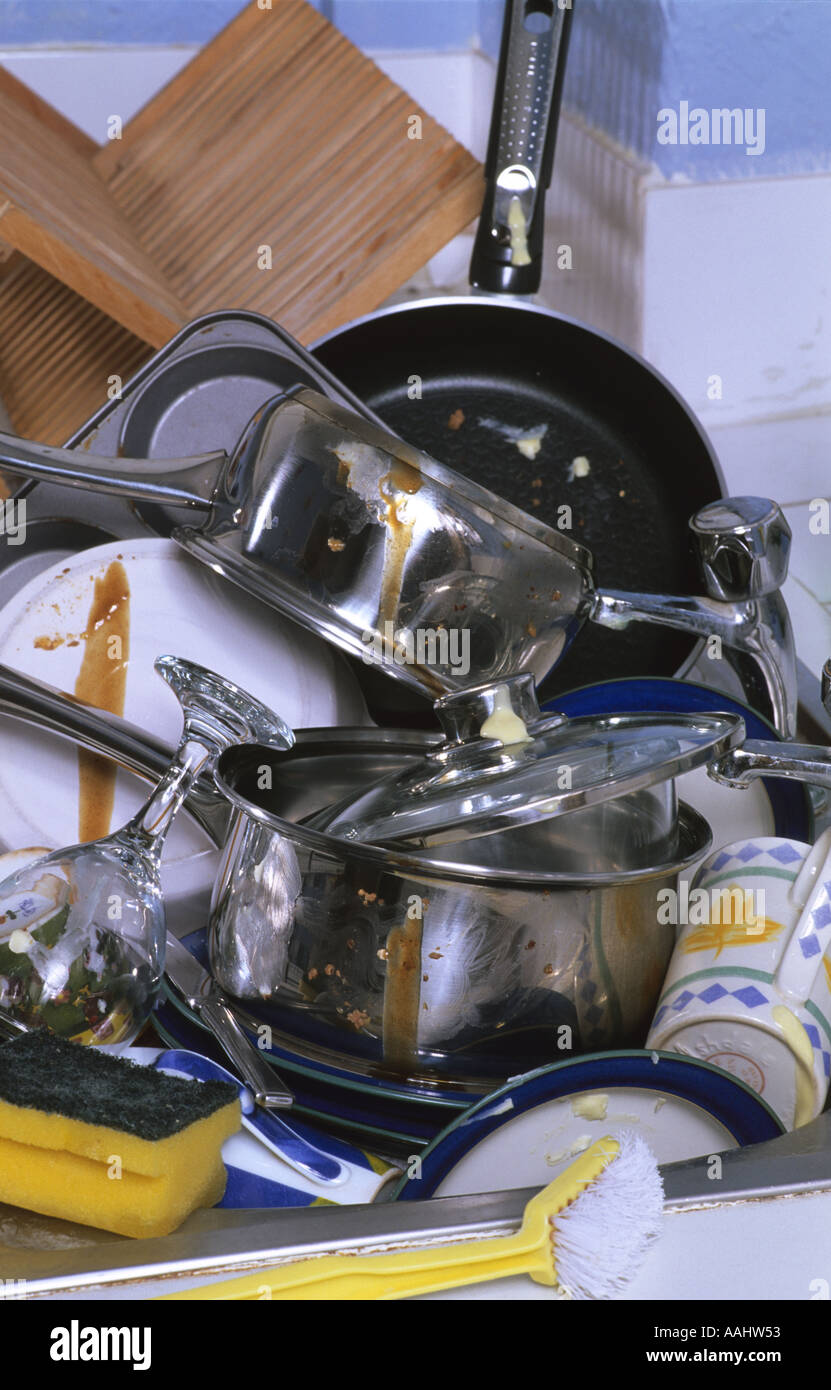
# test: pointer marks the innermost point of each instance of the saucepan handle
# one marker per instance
(796, 762)
(174, 482)
(507, 252)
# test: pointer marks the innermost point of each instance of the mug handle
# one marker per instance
(804, 953)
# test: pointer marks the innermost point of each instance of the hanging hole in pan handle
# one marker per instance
(539, 15)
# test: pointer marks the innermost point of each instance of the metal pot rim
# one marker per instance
(694, 834)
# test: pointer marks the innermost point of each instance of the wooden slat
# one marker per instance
(281, 132)
(57, 352)
(55, 209)
(45, 115)
(50, 119)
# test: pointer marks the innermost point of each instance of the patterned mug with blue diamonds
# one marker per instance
(749, 984)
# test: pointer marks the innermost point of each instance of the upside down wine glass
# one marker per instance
(82, 930)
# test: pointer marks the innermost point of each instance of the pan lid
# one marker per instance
(505, 764)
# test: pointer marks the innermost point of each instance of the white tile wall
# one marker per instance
(88, 85)
(791, 456)
(738, 284)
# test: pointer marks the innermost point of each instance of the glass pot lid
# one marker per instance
(505, 764)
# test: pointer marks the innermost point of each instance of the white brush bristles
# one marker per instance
(601, 1238)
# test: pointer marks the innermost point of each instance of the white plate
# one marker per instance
(177, 606)
(534, 1147)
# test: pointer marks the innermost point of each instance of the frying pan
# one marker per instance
(457, 377)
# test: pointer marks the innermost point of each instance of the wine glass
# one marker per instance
(82, 930)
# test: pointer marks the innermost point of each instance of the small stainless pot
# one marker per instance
(490, 957)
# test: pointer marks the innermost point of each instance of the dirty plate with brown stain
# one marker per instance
(93, 625)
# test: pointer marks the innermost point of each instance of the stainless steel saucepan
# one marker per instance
(381, 550)
(437, 967)
(527, 924)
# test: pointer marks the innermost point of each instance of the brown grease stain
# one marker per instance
(102, 682)
(402, 477)
(402, 992)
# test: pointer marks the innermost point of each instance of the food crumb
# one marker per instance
(20, 942)
(530, 443)
(48, 644)
(383, 953)
(456, 420)
(335, 544)
(579, 468)
(590, 1106)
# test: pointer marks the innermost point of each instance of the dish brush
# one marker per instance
(585, 1234)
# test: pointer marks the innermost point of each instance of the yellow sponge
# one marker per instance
(96, 1139)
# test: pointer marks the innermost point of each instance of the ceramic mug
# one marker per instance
(749, 984)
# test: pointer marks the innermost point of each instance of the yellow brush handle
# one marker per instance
(379, 1277)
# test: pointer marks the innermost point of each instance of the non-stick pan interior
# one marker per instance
(493, 369)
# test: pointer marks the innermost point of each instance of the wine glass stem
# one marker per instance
(153, 821)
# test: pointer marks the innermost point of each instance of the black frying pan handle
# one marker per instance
(507, 259)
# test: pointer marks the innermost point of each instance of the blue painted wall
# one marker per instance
(113, 21)
(629, 59)
(370, 23)
(632, 58)
(774, 54)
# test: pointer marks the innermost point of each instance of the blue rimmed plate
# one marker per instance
(530, 1129)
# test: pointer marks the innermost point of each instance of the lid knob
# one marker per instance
(743, 546)
(501, 710)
